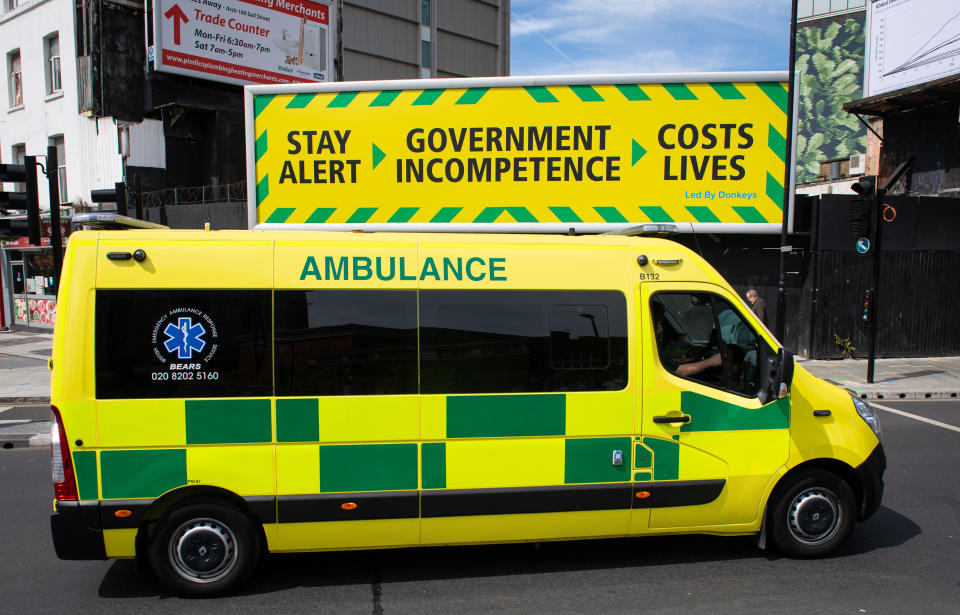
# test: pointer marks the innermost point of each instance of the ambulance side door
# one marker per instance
(714, 444)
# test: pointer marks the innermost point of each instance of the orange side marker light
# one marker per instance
(123, 513)
(642, 495)
(349, 506)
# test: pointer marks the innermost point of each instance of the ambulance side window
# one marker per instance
(182, 343)
(701, 337)
(500, 341)
(346, 342)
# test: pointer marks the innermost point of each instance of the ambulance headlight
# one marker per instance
(867, 414)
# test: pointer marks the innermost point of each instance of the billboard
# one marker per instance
(244, 41)
(830, 69)
(911, 42)
(521, 154)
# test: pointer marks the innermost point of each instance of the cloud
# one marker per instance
(611, 36)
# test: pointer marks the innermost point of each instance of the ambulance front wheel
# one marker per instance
(204, 548)
(813, 515)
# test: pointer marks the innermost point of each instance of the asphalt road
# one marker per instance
(906, 559)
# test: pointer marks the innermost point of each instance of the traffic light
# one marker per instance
(25, 173)
(863, 207)
(866, 314)
(12, 173)
(117, 194)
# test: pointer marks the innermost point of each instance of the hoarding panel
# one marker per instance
(911, 42)
(244, 41)
(481, 154)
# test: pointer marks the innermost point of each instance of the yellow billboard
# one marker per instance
(520, 154)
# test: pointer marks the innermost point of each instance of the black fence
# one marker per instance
(918, 297)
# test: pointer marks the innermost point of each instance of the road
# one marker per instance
(905, 559)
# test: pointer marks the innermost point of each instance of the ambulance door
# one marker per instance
(713, 443)
(183, 370)
(527, 407)
(347, 411)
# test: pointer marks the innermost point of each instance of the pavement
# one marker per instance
(25, 380)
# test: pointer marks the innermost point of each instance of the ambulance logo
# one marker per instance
(185, 337)
(185, 334)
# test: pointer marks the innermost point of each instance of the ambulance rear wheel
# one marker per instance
(204, 548)
(813, 515)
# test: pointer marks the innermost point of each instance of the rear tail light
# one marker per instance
(64, 480)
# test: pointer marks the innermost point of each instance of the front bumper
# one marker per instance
(870, 475)
(76, 530)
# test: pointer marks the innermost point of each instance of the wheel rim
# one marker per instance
(814, 516)
(203, 550)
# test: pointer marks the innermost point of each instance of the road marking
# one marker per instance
(14, 421)
(917, 417)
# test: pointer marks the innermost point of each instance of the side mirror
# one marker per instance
(776, 375)
(784, 373)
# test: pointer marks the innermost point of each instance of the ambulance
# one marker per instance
(218, 395)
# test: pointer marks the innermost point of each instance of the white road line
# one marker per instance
(13, 421)
(919, 418)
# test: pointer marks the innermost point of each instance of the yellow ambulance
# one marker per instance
(220, 394)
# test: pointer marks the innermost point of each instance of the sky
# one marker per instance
(561, 37)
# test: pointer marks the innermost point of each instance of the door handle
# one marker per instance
(684, 418)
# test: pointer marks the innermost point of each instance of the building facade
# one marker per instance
(79, 77)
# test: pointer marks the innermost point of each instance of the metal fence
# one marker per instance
(224, 193)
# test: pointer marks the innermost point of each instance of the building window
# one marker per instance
(15, 80)
(425, 12)
(425, 54)
(51, 54)
(812, 8)
(61, 166)
(19, 152)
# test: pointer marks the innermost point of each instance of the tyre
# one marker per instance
(204, 548)
(813, 515)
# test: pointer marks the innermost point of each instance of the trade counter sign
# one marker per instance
(243, 41)
(504, 154)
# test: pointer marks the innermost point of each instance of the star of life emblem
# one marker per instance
(185, 337)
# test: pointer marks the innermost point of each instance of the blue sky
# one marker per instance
(553, 37)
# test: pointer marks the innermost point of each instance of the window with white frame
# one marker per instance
(814, 8)
(51, 55)
(19, 152)
(57, 142)
(15, 78)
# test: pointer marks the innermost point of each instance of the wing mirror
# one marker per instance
(776, 375)
(784, 376)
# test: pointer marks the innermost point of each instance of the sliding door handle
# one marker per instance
(683, 418)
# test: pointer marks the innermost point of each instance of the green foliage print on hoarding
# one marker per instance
(830, 65)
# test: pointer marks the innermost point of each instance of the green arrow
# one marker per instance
(638, 152)
(378, 155)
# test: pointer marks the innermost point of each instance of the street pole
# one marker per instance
(782, 284)
(880, 194)
(56, 238)
(875, 286)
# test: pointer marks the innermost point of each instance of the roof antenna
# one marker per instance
(693, 228)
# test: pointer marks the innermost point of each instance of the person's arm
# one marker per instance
(690, 369)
